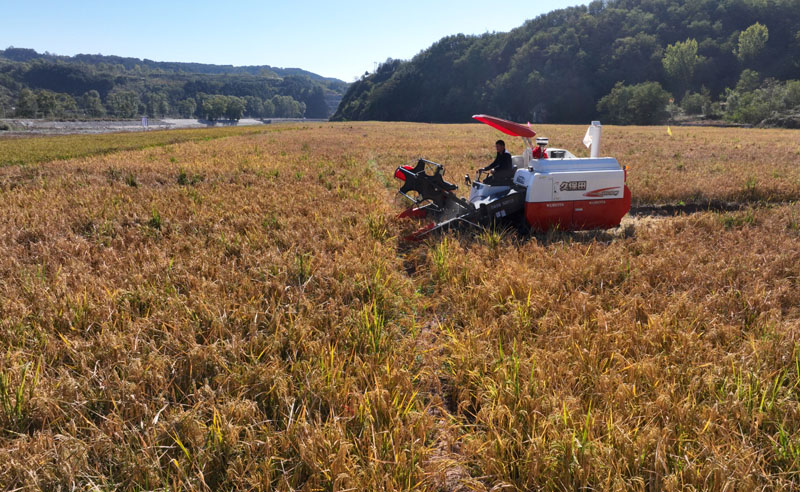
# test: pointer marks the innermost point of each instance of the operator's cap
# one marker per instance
(542, 141)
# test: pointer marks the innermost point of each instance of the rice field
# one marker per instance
(237, 311)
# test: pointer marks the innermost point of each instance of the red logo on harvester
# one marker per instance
(614, 191)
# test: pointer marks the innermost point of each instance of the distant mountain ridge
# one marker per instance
(44, 85)
(27, 54)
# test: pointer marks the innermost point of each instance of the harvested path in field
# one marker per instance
(451, 475)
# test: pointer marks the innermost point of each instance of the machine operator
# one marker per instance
(502, 168)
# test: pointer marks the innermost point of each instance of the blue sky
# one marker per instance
(335, 39)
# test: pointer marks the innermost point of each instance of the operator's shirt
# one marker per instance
(502, 166)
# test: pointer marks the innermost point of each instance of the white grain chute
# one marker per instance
(593, 137)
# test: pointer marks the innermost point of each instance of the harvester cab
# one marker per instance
(551, 188)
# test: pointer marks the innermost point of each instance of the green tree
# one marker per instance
(6, 101)
(268, 109)
(751, 41)
(66, 104)
(217, 105)
(254, 106)
(287, 107)
(46, 102)
(753, 101)
(696, 103)
(640, 104)
(234, 108)
(680, 62)
(746, 107)
(749, 80)
(91, 103)
(26, 104)
(123, 104)
(792, 97)
(156, 104)
(187, 107)
(212, 106)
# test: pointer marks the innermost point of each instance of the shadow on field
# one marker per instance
(671, 210)
(604, 236)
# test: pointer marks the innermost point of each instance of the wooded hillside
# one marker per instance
(728, 58)
(45, 85)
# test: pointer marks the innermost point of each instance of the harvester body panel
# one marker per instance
(481, 192)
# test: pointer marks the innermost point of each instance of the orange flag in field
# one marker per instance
(669, 131)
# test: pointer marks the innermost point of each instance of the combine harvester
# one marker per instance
(557, 191)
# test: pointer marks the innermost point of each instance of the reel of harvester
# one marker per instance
(432, 197)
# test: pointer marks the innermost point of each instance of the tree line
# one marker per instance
(628, 61)
(34, 85)
(43, 103)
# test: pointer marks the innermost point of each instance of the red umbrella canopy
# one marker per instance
(505, 126)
